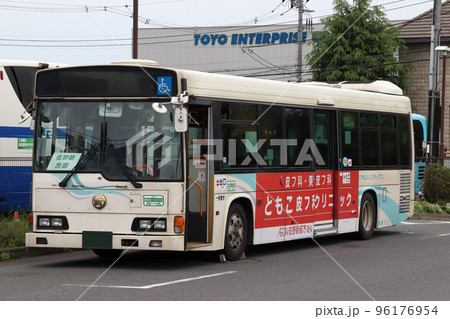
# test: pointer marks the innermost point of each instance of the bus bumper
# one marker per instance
(105, 240)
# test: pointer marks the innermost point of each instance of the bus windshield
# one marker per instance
(115, 138)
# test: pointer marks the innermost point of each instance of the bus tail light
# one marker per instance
(178, 224)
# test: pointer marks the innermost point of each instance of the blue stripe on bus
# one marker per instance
(25, 132)
(15, 132)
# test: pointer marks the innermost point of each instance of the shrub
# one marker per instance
(436, 184)
(12, 233)
(423, 207)
(4, 256)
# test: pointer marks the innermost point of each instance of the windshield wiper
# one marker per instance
(83, 159)
(124, 167)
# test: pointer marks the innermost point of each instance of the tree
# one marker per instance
(358, 44)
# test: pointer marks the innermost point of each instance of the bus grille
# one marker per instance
(405, 192)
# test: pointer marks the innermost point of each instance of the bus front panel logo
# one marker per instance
(99, 201)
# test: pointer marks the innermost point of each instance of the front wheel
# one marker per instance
(367, 216)
(236, 232)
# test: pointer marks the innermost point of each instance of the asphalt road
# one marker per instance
(410, 261)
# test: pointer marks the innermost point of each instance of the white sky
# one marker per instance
(62, 31)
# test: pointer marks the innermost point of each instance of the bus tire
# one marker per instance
(108, 253)
(235, 232)
(367, 217)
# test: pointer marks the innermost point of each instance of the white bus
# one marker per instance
(136, 156)
(16, 137)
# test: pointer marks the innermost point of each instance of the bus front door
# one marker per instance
(198, 232)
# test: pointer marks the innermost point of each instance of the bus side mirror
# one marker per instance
(424, 145)
(181, 119)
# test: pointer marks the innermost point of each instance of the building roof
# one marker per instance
(418, 29)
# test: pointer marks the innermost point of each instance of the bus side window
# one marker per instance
(298, 127)
(350, 139)
(388, 133)
(272, 129)
(369, 139)
(322, 125)
(404, 140)
(239, 135)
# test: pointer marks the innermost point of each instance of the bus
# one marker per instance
(16, 137)
(420, 151)
(132, 155)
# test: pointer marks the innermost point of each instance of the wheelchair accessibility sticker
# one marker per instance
(164, 85)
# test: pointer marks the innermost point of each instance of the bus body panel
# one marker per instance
(394, 201)
(16, 139)
(123, 205)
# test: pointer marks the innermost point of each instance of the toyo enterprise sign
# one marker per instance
(252, 38)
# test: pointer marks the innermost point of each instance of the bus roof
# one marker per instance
(381, 96)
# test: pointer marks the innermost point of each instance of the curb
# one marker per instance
(430, 217)
(18, 252)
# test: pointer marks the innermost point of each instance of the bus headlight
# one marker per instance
(43, 221)
(56, 221)
(148, 224)
(160, 224)
(52, 222)
(145, 223)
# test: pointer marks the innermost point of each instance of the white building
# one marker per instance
(256, 51)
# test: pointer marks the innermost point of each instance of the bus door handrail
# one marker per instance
(201, 196)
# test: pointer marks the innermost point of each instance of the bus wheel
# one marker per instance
(236, 232)
(366, 217)
(107, 253)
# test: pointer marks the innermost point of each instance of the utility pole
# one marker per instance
(135, 28)
(433, 101)
(299, 4)
(300, 40)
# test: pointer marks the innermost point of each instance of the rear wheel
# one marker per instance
(236, 232)
(367, 217)
(107, 253)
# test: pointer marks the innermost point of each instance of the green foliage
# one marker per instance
(360, 45)
(5, 256)
(436, 184)
(12, 233)
(422, 207)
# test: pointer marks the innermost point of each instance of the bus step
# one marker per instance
(320, 227)
(193, 245)
(325, 232)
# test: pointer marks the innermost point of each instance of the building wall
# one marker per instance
(419, 57)
(269, 52)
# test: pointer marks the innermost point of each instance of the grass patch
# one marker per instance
(423, 207)
(12, 232)
(5, 256)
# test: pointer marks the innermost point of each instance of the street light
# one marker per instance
(443, 49)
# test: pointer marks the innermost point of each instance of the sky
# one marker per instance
(99, 31)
